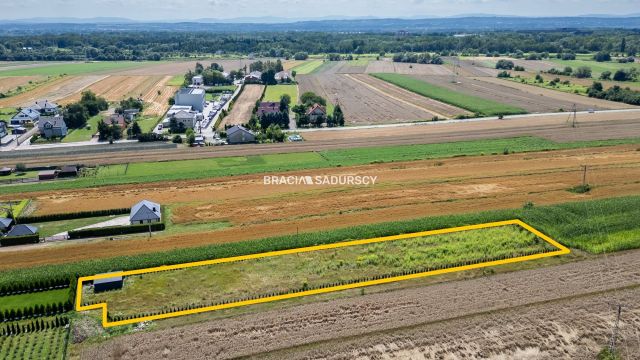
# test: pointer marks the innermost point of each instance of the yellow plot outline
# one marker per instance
(562, 250)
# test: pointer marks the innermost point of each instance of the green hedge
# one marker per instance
(114, 230)
(19, 240)
(69, 216)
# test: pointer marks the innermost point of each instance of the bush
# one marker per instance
(177, 139)
(583, 72)
(150, 137)
(115, 230)
(504, 64)
(602, 56)
(19, 240)
(75, 215)
(504, 74)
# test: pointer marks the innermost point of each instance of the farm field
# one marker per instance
(53, 91)
(361, 105)
(12, 82)
(117, 87)
(307, 67)
(243, 106)
(73, 68)
(472, 103)
(258, 278)
(180, 67)
(529, 65)
(24, 301)
(408, 69)
(45, 344)
(274, 92)
(597, 68)
(427, 187)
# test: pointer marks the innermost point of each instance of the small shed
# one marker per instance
(111, 283)
(5, 224)
(47, 175)
(5, 171)
(68, 171)
(23, 230)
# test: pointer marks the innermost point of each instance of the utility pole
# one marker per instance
(614, 335)
(573, 118)
(584, 175)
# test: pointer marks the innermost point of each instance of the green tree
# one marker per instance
(606, 75)
(135, 129)
(75, 116)
(285, 100)
(338, 115)
(177, 139)
(191, 138)
(583, 72)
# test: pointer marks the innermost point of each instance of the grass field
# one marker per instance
(570, 88)
(308, 67)
(596, 226)
(471, 103)
(597, 68)
(7, 113)
(235, 281)
(23, 301)
(148, 123)
(77, 68)
(177, 80)
(47, 344)
(274, 92)
(86, 133)
(216, 167)
(51, 228)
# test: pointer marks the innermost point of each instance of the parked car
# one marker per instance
(295, 137)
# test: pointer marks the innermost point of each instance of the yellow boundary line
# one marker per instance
(562, 250)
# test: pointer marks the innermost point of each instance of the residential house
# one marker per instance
(240, 135)
(47, 175)
(130, 114)
(191, 97)
(46, 108)
(187, 118)
(52, 126)
(268, 107)
(111, 283)
(5, 224)
(3, 129)
(26, 115)
(23, 230)
(253, 77)
(197, 80)
(117, 119)
(317, 113)
(145, 212)
(283, 77)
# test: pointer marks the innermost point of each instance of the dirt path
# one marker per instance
(243, 106)
(404, 191)
(555, 312)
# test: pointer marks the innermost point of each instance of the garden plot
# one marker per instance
(224, 283)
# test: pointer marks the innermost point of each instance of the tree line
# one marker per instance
(159, 45)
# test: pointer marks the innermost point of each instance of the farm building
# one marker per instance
(47, 175)
(5, 171)
(68, 171)
(52, 126)
(112, 283)
(26, 115)
(317, 112)
(240, 135)
(254, 77)
(145, 212)
(23, 230)
(268, 107)
(197, 80)
(46, 108)
(191, 97)
(186, 118)
(5, 224)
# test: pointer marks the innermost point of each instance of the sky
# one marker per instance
(304, 9)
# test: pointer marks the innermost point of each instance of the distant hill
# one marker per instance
(457, 24)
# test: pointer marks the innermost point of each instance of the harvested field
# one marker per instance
(181, 67)
(350, 67)
(528, 65)
(12, 82)
(118, 87)
(582, 102)
(557, 312)
(157, 97)
(290, 64)
(361, 104)
(53, 91)
(243, 106)
(404, 191)
(440, 109)
(499, 92)
(408, 69)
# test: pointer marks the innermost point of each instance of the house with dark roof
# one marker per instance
(145, 212)
(46, 108)
(268, 107)
(5, 224)
(240, 135)
(25, 116)
(23, 230)
(3, 129)
(117, 119)
(52, 126)
(254, 77)
(68, 171)
(47, 175)
(317, 112)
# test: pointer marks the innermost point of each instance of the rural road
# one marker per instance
(601, 125)
(553, 312)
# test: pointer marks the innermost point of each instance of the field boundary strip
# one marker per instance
(561, 250)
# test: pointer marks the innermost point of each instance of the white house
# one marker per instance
(186, 118)
(197, 80)
(239, 135)
(52, 126)
(283, 76)
(191, 97)
(145, 212)
(26, 115)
